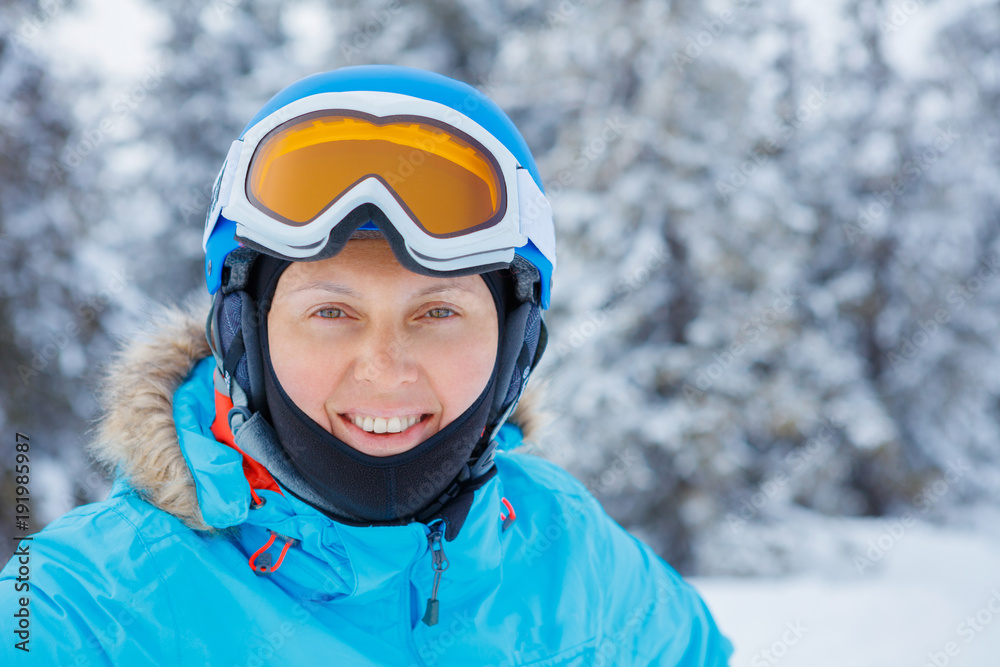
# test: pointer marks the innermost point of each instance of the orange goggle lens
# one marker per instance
(448, 182)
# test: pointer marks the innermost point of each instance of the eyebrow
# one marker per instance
(328, 286)
(338, 288)
(444, 287)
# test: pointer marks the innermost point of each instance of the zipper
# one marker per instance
(439, 563)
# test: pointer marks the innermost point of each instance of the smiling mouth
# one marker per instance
(371, 424)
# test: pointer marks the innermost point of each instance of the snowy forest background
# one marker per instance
(775, 317)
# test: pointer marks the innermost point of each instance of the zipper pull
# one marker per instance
(440, 563)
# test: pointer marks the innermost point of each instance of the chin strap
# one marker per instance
(453, 491)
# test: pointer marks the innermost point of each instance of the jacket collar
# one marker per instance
(158, 398)
(363, 558)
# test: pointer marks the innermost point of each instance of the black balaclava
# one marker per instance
(356, 487)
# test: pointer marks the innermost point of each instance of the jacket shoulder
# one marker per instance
(649, 614)
(126, 516)
(94, 580)
(551, 499)
(532, 474)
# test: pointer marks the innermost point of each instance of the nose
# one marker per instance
(385, 358)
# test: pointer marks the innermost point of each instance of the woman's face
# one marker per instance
(381, 357)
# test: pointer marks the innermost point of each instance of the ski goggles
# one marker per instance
(454, 193)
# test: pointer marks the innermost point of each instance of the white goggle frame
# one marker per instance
(528, 215)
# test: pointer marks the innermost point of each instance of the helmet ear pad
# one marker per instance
(524, 340)
(236, 319)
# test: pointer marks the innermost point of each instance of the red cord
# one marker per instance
(264, 569)
(284, 551)
(509, 519)
(510, 508)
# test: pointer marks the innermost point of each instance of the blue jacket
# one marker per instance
(134, 580)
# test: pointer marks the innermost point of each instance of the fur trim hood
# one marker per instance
(136, 436)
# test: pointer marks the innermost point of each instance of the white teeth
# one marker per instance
(384, 425)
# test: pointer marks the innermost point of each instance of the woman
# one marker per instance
(329, 479)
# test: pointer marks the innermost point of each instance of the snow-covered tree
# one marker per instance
(777, 235)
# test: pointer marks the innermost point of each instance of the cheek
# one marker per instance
(459, 379)
(305, 370)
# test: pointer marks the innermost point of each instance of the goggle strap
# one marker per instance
(535, 214)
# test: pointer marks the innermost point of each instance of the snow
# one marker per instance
(826, 29)
(119, 42)
(909, 28)
(55, 489)
(935, 591)
(843, 405)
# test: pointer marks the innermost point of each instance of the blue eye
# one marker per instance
(337, 313)
(440, 313)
